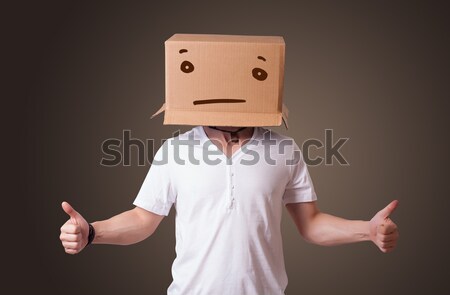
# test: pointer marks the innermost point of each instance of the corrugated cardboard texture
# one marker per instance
(224, 80)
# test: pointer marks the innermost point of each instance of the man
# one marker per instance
(228, 186)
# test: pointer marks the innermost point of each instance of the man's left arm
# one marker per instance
(328, 230)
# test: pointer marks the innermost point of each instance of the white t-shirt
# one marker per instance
(228, 210)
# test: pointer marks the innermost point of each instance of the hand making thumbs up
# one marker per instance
(74, 233)
(383, 231)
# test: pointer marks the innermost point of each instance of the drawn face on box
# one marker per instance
(223, 76)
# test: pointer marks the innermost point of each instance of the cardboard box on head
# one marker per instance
(224, 80)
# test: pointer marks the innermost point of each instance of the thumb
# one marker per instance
(70, 211)
(386, 211)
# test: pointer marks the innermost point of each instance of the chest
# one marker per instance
(247, 177)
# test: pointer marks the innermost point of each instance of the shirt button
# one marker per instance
(232, 174)
(232, 187)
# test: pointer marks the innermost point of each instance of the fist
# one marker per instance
(74, 233)
(383, 231)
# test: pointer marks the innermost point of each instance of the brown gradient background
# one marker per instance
(79, 72)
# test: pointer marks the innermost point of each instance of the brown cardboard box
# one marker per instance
(224, 80)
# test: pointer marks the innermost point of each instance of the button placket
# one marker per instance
(232, 186)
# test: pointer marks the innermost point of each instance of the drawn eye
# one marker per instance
(187, 66)
(259, 74)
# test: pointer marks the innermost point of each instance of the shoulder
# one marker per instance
(268, 136)
(276, 145)
(175, 143)
(192, 134)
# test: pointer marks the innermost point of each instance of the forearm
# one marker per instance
(328, 230)
(126, 228)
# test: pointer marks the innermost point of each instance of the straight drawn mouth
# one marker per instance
(219, 100)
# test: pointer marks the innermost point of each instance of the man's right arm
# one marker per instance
(126, 228)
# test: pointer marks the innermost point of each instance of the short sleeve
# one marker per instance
(300, 187)
(156, 194)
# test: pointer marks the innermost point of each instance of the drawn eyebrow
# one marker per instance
(261, 58)
(183, 50)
